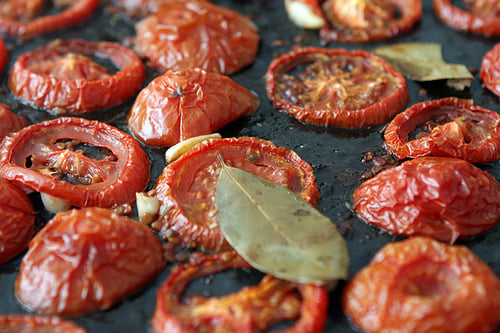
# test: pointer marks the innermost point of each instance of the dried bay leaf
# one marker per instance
(276, 231)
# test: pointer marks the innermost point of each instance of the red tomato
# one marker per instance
(187, 103)
(446, 127)
(87, 259)
(336, 87)
(421, 285)
(368, 20)
(17, 221)
(37, 324)
(18, 18)
(253, 309)
(440, 197)
(186, 188)
(9, 122)
(196, 33)
(480, 16)
(490, 70)
(4, 56)
(61, 78)
(86, 163)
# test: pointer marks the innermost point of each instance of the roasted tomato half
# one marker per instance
(253, 309)
(186, 188)
(197, 33)
(186, 103)
(9, 121)
(421, 285)
(440, 197)
(37, 324)
(84, 162)
(63, 78)
(446, 127)
(17, 221)
(478, 16)
(336, 87)
(20, 18)
(490, 70)
(85, 260)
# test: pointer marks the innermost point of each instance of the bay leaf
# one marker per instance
(276, 231)
(424, 62)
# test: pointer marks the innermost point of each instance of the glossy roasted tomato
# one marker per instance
(440, 197)
(479, 16)
(61, 77)
(17, 221)
(85, 260)
(490, 69)
(9, 121)
(421, 285)
(37, 324)
(253, 309)
(4, 55)
(186, 103)
(446, 127)
(368, 20)
(20, 18)
(86, 163)
(336, 87)
(186, 188)
(196, 33)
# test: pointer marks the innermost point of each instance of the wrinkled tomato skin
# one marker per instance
(490, 70)
(60, 95)
(109, 182)
(37, 324)
(486, 24)
(421, 285)
(17, 221)
(471, 133)
(182, 34)
(253, 309)
(182, 104)
(85, 260)
(186, 188)
(372, 93)
(9, 121)
(440, 197)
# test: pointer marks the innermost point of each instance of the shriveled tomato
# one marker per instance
(17, 221)
(490, 70)
(196, 33)
(186, 188)
(440, 197)
(37, 324)
(87, 259)
(86, 163)
(62, 78)
(479, 16)
(9, 121)
(186, 103)
(421, 285)
(253, 309)
(446, 127)
(336, 87)
(4, 55)
(20, 18)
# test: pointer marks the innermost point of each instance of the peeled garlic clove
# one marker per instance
(305, 13)
(53, 204)
(147, 207)
(174, 152)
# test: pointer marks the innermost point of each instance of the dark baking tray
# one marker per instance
(335, 154)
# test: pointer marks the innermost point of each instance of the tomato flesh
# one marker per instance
(490, 70)
(37, 324)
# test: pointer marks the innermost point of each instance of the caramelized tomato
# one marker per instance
(421, 285)
(186, 188)
(9, 122)
(490, 70)
(37, 324)
(87, 259)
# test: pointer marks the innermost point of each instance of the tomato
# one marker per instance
(196, 33)
(490, 70)
(253, 309)
(85, 260)
(421, 285)
(61, 78)
(336, 87)
(440, 197)
(186, 188)
(86, 163)
(480, 16)
(186, 103)
(4, 56)
(368, 20)
(37, 324)
(9, 121)
(138, 8)
(19, 18)
(445, 127)
(17, 221)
